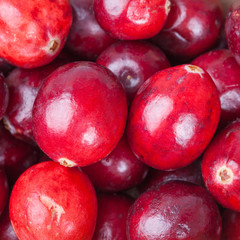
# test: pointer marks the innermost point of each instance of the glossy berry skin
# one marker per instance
(220, 167)
(112, 216)
(4, 96)
(120, 170)
(232, 26)
(86, 38)
(174, 210)
(60, 203)
(23, 87)
(33, 32)
(133, 62)
(173, 117)
(191, 28)
(83, 108)
(191, 173)
(15, 155)
(230, 228)
(131, 19)
(6, 230)
(225, 72)
(3, 190)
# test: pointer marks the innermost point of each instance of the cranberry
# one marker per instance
(4, 96)
(230, 228)
(83, 109)
(120, 170)
(220, 167)
(60, 203)
(225, 72)
(133, 62)
(131, 19)
(6, 230)
(33, 32)
(15, 155)
(23, 88)
(191, 28)
(86, 38)
(192, 173)
(173, 117)
(5, 67)
(174, 210)
(3, 190)
(112, 217)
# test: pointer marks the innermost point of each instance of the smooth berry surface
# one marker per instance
(232, 29)
(221, 167)
(112, 216)
(131, 19)
(33, 32)
(3, 190)
(60, 203)
(191, 28)
(174, 210)
(120, 170)
(173, 117)
(133, 62)
(225, 72)
(4, 96)
(79, 114)
(23, 87)
(86, 38)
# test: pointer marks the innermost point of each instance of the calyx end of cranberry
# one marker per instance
(53, 46)
(225, 175)
(66, 162)
(167, 6)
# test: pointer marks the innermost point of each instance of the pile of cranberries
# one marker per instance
(119, 120)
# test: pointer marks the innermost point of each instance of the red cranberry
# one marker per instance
(192, 173)
(4, 96)
(174, 210)
(131, 19)
(15, 155)
(6, 230)
(191, 28)
(3, 190)
(23, 88)
(232, 26)
(33, 32)
(225, 72)
(86, 38)
(79, 114)
(133, 62)
(112, 217)
(173, 117)
(60, 203)
(120, 170)
(221, 167)
(230, 228)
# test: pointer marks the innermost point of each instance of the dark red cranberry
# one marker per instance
(23, 88)
(133, 62)
(232, 29)
(120, 170)
(174, 210)
(15, 155)
(132, 19)
(173, 117)
(79, 114)
(221, 167)
(225, 72)
(4, 96)
(3, 190)
(191, 173)
(50, 201)
(230, 227)
(112, 217)
(6, 230)
(86, 38)
(191, 28)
